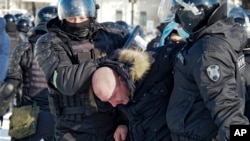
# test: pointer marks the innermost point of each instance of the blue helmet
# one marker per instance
(71, 8)
(45, 14)
(23, 24)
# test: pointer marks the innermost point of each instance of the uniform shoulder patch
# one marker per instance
(213, 72)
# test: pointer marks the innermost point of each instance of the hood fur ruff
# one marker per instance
(140, 61)
(139, 64)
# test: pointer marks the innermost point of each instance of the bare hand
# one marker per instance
(121, 133)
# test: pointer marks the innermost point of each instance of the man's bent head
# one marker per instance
(108, 86)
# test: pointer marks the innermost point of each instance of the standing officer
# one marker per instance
(26, 82)
(207, 96)
(68, 54)
(247, 77)
(23, 26)
(11, 29)
(170, 31)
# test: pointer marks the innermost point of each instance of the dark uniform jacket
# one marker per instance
(68, 63)
(155, 41)
(247, 78)
(12, 32)
(25, 75)
(30, 85)
(207, 96)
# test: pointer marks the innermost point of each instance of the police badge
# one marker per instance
(213, 72)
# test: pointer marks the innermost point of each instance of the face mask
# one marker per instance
(80, 30)
(169, 28)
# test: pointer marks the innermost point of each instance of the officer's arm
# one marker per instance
(20, 60)
(215, 76)
(117, 34)
(58, 68)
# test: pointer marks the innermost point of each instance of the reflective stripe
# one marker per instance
(54, 78)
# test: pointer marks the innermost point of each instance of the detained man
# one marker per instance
(139, 84)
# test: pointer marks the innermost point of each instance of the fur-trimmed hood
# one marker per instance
(139, 60)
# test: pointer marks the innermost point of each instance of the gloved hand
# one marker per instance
(6, 90)
(6, 95)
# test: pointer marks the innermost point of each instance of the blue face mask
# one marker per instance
(169, 28)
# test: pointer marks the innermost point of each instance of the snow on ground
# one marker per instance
(5, 128)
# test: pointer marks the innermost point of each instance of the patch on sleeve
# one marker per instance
(213, 72)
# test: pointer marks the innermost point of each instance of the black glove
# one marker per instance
(6, 95)
(6, 90)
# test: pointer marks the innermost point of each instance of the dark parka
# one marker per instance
(68, 63)
(200, 106)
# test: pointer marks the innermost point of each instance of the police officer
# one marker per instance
(68, 54)
(10, 22)
(23, 26)
(247, 78)
(11, 29)
(240, 17)
(164, 17)
(207, 96)
(24, 75)
(168, 28)
(243, 20)
(18, 16)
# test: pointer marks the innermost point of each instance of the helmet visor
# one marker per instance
(72, 8)
(166, 11)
